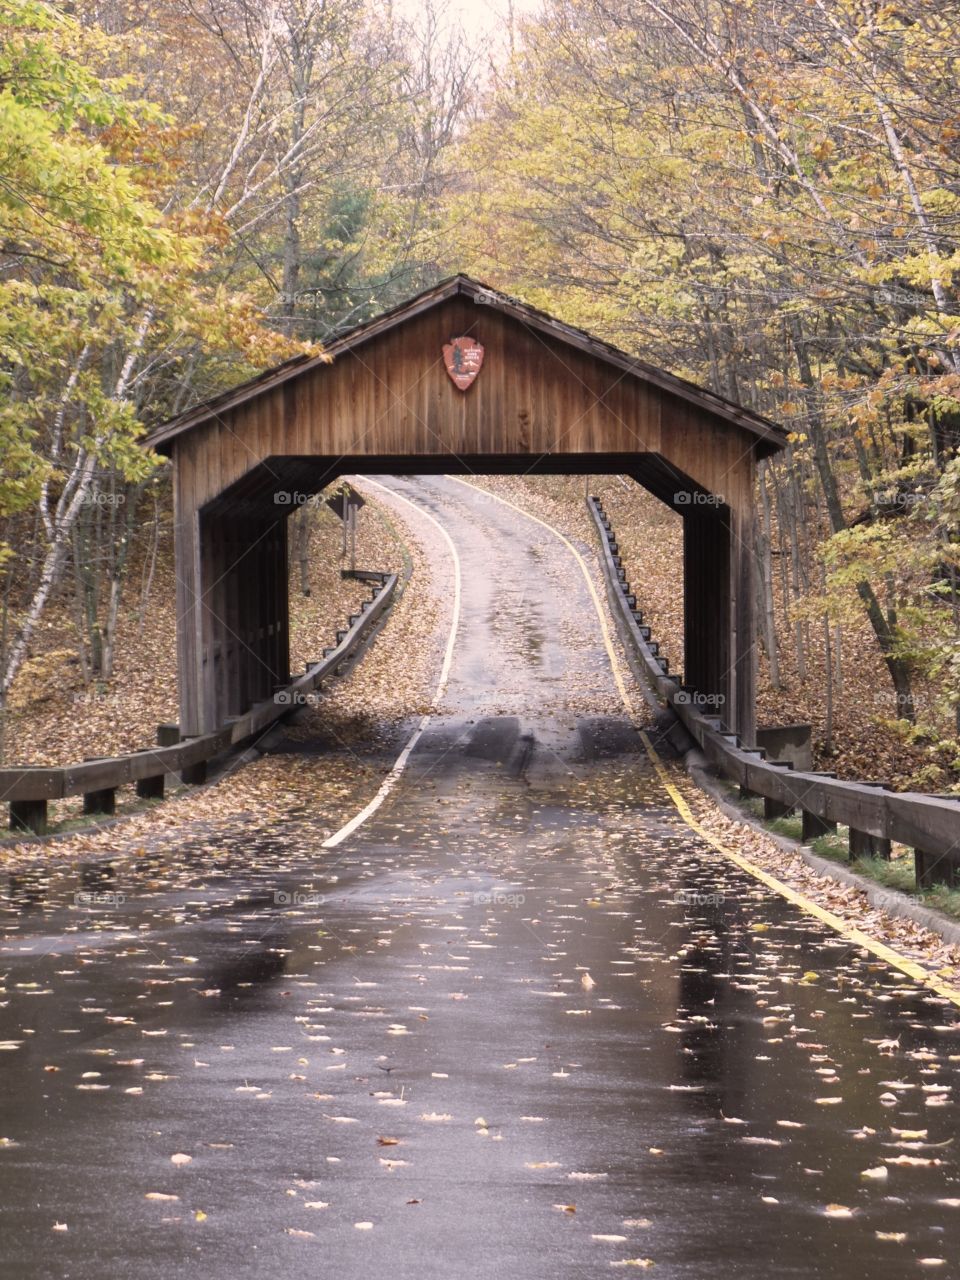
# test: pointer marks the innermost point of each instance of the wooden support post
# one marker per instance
(773, 809)
(741, 684)
(248, 566)
(103, 801)
(28, 815)
(933, 869)
(707, 605)
(168, 735)
(186, 479)
(235, 625)
(194, 774)
(209, 626)
(814, 826)
(864, 845)
(150, 788)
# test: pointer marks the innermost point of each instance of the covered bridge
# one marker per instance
(462, 380)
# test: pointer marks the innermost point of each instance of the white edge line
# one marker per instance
(393, 777)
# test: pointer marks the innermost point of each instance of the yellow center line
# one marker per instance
(835, 922)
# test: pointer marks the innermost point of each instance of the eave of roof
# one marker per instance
(770, 433)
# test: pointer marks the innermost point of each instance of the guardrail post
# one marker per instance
(150, 788)
(194, 775)
(773, 809)
(103, 801)
(932, 869)
(28, 815)
(168, 735)
(813, 826)
(864, 845)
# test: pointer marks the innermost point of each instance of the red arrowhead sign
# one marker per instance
(463, 358)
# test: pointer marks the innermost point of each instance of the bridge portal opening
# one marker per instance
(391, 397)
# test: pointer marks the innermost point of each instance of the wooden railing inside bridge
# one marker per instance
(874, 815)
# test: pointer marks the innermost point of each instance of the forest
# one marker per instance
(761, 197)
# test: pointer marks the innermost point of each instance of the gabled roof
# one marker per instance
(770, 433)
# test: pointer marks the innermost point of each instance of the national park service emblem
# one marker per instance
(463, 358)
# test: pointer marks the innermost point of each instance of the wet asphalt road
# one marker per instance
(521, 1024)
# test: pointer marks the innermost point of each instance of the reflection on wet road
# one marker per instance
(521, 1024)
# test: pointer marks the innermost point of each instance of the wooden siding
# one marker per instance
(534, 397)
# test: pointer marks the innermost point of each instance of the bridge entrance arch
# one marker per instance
(466, 381)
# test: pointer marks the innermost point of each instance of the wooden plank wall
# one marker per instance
(534, 396)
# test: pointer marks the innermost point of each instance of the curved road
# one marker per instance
(520, 1023)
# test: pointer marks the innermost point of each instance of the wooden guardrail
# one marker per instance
(28, 788)
(873, 815)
